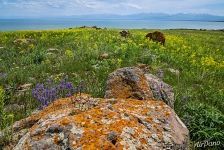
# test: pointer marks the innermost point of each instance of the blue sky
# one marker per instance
(40, 8)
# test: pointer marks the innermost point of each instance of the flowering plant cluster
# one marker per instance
(47, 92)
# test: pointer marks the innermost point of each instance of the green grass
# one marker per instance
(198, 55)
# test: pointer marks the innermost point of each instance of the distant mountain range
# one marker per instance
(154, 16)
(141, 16)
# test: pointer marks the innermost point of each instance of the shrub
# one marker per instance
(47, 92)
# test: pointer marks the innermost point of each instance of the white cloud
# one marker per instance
(73, 7)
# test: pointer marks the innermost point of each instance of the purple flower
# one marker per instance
(48, 92)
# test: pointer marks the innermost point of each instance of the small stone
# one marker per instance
(104, 56)
(24, 87)
(174, 71)
(52, 50)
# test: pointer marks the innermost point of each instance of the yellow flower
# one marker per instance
(208, 61)
(69, 53)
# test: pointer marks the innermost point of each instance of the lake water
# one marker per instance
(28, 24)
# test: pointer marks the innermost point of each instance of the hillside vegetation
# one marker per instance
(191, 61)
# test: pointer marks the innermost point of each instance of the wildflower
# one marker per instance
(48, 92)
(69, 53)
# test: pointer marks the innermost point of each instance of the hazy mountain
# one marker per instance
(142, 16)
(153, 16)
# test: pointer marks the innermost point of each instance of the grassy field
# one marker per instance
(198, 56)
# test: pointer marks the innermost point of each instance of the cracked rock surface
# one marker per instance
(111, 124)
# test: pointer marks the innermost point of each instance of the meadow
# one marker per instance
(192, 61)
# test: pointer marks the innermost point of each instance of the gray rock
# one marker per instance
(161, 90)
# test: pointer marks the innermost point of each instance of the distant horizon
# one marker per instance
(112, 15)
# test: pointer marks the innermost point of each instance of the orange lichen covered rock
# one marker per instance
(128, 82)
(135, 82)
(107, 124)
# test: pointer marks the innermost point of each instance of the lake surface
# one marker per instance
(34, 24)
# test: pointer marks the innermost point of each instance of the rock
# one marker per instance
(13, 107)
(25, 87)
(95, 27)
(56, 127)
(174, 71)
(82, 27)
(52, 50)
(104, 56)
(22, 89)
(23, 41)
(157, 37)
(161, 90)
(127, 118)
(160, 73)
(132, 82)
(128, 82)
(124, 33)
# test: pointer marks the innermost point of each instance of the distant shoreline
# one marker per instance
(40, 30)
(46, 24)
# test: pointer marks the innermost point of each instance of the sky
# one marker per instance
(46, 8)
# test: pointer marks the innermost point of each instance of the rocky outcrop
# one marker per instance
(128, 118)
(134, 82)
(128, 82)
(82, 122)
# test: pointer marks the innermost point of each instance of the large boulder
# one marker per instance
(133, 82)
(83, 122)
(129, 82)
